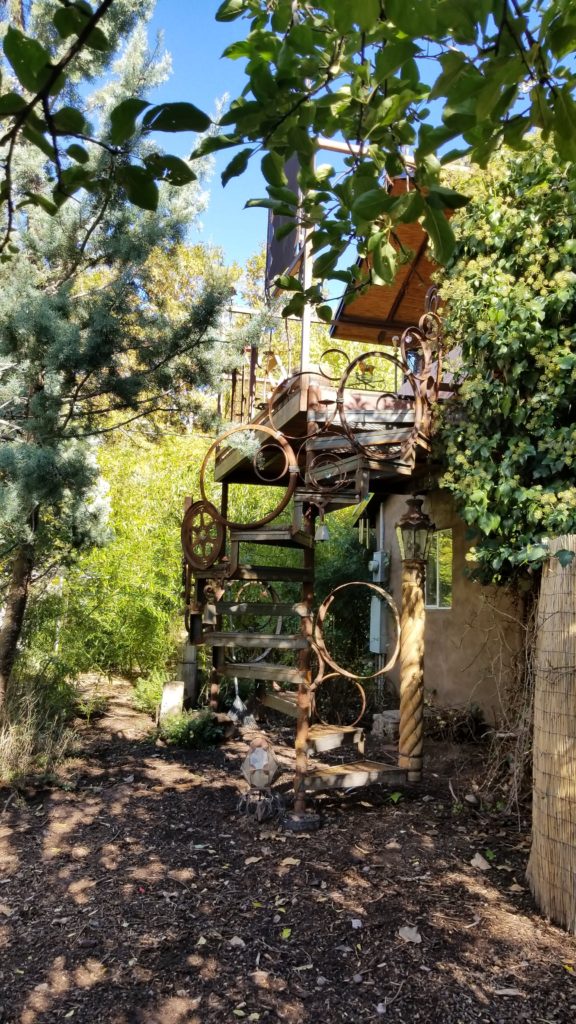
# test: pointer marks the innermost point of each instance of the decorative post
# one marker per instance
(414, 530)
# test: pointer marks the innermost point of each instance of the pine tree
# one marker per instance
(84, 344)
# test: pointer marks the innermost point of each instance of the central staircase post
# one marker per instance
(304, 664)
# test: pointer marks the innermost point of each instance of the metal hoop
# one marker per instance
(404, 447)
(278, 390)
(353, 682)
(319, 630)
(292, 465)
(261, 476)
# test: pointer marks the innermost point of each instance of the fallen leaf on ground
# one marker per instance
(237, 941)
(480, 862)
(288, 861)
(409, 934)
(252, 860)
(516, 888)
(5, 909)
(508, 992)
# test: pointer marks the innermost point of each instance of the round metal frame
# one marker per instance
(202, 535)
(292, 469)
(354, 682)
(393, 450)
(318, 429)
(269, 594)
(319, 630)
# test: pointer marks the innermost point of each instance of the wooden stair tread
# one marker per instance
(260, 608)
(353, 775)
(276, 536)
(279, 641)
(283, 702)
(260, 670)
(271, 572)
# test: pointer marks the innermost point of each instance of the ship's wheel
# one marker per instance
(202, 535)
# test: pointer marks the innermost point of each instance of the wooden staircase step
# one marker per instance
(285, 702)
(322, 738)
(272, 609)
(271, 572)
(260, 670)
(276, 536)
(279, 641)
(351, 776)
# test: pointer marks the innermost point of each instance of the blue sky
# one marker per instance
(195, 41)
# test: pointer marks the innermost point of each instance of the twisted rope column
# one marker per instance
(412, 670)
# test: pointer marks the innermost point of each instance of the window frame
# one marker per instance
(435, 554)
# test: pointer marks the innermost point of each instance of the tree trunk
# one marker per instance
(552, 865)
(14, 609)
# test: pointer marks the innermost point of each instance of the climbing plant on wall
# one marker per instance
(509, 441)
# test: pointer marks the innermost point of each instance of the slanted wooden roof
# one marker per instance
(384, 311)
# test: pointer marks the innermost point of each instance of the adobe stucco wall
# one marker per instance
(471, 647)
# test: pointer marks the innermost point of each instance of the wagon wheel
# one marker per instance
(202, 535)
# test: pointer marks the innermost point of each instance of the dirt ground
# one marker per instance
(137, 894)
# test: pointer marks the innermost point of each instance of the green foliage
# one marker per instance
(510, 439)
(118, 608)
(55, 48)
(192, 730)
(35, 734)
(345, 70)
(148, 691)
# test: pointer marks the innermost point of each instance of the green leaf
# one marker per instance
(285, 933)
(408, 207)
(384, 261)
(170, 168)
(565, 124)
(367, 14)
(69, 21)
(98, 40)
(176, 117)
(230, 10)
(123, 119)
(536, 552)
(11, 103)
(35, 199)
(78, 153)
(565, 557)
(237, 165)
(284, 230)
(39, 140)
(273, 169)
(288, 283)
(372, 204)
(440, 232)
(212, 144)
(450, 199)
(325, 313)
(69, 121)
(392, 56)
(140, 186)
(30, 61)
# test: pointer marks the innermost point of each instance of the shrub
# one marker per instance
(148, 691)
(35, 735)
(191, 729)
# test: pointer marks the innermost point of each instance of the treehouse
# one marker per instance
(345, 431)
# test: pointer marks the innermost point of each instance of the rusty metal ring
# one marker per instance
(292, 470)
(202, 535)
(278, 390)
(329, 351)
(319, 641)
(353, 682)
(322, 460)
(405, 447)
(261, 476)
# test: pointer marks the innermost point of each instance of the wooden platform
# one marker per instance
(351, 776)
(276, 641)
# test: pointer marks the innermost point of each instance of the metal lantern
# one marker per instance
(260, 766)
(415, 531)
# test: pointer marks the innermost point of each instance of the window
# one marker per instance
(439, 571)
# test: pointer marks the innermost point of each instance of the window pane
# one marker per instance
(432, 574)
(444, 539)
